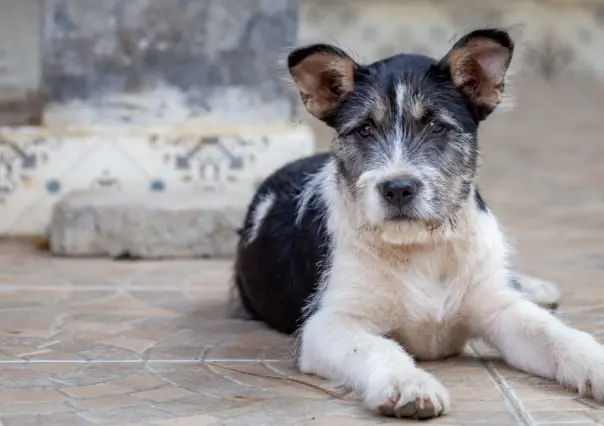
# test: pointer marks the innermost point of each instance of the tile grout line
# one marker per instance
(83, 288)
(522, 416)
(142, 361)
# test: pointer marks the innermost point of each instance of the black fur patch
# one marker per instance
(278, 271)
(480, 202)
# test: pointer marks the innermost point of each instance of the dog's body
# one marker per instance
(384, 251)
(288, 220)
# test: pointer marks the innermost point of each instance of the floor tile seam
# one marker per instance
(75, 287)
(143, 361)
(522, 416)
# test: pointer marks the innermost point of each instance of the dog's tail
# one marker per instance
(541, 292)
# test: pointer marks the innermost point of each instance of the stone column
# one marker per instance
(20, 58)
(157, 107)
(157, 61)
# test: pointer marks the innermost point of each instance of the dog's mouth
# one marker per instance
(409, 213)
(404, 217)
(401, 217)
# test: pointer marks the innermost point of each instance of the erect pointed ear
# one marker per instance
(478, 63)
(324, 74)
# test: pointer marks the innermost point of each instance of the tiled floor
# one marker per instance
(88, 342)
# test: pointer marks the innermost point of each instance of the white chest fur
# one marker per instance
(415, 293)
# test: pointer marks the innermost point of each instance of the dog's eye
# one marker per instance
(364, 131)
(437, 128)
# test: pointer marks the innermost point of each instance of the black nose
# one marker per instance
(400, 191)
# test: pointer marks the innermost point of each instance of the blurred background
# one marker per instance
(186, 97)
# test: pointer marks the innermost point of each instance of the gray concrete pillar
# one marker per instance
(158, 61)
(20, 59)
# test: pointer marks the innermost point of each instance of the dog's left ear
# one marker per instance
(477, 64)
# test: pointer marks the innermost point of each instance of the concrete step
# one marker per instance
(147, 226)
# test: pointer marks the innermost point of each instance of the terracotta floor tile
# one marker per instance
(566, 404)
(164, 394)
(19, 376)
(51, 355)
(138, 414)
(54, 369)
(476, 417)
(251, 346)
(40, 407)
(478, 405)
(66, 419)
(527, 381)
(201, 420)
(107, 402)
(590, 402)
(473, 393)
(544, 393)
(274, 378)
(561, 417)
(96, 391)
(139, 381)
(131, 343)
(42, 395)
(335, 421)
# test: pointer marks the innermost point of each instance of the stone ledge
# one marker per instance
(48, 163)
(148, 226)
(186, 129)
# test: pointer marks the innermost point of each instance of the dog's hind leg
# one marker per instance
(543, 293)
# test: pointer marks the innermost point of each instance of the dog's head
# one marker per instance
(407, 125)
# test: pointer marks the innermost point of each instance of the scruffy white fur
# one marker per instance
(263, 207)
(391, 295)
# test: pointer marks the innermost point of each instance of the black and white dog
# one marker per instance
(383, 251)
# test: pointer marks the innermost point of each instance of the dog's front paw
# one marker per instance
(414, 394)
(591, 383)
(584, 370)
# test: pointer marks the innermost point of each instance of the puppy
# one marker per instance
(383, 251)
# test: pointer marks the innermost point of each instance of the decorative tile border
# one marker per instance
(38, 166)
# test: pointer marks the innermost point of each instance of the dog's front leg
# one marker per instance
(533, 340)
(347, 351)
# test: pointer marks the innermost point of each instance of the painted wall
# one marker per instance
(554, 37)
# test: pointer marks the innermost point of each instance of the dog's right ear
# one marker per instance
(324, 74)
